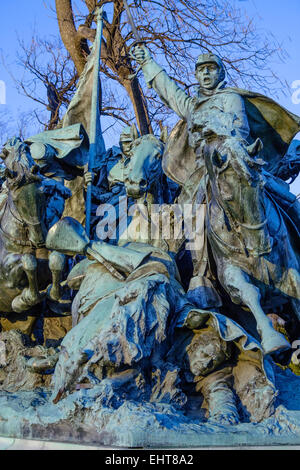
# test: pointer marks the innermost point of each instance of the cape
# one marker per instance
(269, 121)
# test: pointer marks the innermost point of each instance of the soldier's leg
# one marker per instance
(256, 393)
(208, 356)
(219, 397)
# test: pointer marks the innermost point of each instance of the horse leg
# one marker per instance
(56, 265)
(30, 295)
(241, 290)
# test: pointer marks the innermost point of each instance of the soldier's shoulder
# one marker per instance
(232, 96)
(232, 92)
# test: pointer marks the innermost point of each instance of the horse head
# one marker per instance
(289, 167)
(20, 166)
(237, 185)
(25, 200)
(143, 168)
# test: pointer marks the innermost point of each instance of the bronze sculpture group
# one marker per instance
(168, 322)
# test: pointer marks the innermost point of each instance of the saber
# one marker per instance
(138, 39)
(96, 137)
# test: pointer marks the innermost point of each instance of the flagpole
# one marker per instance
(95, 135)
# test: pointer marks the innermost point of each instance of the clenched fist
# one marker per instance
(141, 54)
(88, 178)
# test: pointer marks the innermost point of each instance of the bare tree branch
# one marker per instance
(176, 31)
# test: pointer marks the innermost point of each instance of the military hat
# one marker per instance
(209, 59)
(126, 135)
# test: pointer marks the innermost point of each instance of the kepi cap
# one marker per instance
(209, 59)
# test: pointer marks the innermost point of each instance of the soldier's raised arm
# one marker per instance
(156, 77)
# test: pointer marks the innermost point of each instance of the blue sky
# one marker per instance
(21, 17)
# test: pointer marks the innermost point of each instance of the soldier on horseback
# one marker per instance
(225, 151)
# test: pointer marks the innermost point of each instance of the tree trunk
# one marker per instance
(137, 98)
(70, 38)
(110, 53)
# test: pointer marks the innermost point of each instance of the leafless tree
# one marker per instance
(23, 125)
(176, 31)
(48, 76)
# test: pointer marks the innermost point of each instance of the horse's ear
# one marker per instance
(164, 134)
(255, 148)
(134, 132)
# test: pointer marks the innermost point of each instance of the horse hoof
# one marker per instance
(23, 302)
(53, 293)
(59, 305)
(275, 342)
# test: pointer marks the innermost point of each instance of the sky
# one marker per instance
(281, 18)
